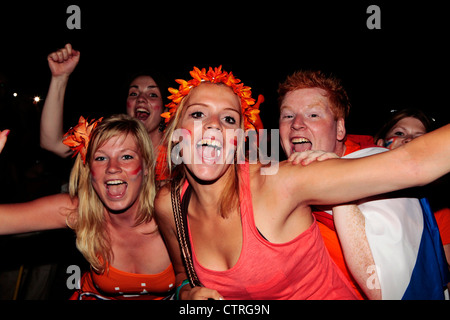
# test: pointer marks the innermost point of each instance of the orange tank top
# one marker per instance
(120, 285)
(299, 269)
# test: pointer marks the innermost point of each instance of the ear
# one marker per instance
(380, 142)
(340, 129)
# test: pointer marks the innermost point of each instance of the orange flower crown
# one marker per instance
(250, 109)
(78, 137)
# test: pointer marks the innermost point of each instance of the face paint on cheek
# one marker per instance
(136, 171)
(388, 143)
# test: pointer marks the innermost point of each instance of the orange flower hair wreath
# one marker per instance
(78, 137)
(250, 109)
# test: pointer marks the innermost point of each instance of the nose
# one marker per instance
(297, 123)
(141, 97)
(213, 122)
(407, 139)
(113, 166)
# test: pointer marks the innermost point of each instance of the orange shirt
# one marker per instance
(161, 163)
(443, 221)
(120, 285)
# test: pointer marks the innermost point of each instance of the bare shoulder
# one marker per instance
(282, 174)
(163, 204)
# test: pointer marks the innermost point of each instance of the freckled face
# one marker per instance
(307, 122)
(117, 173)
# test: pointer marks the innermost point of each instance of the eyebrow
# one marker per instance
(137, 87)
(207, 106)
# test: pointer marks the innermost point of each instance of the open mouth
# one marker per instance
(142, 114)
(301, 144)
(116, 188)
(210, 150)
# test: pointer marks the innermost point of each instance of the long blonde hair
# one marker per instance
(229, 200)
(90, 222)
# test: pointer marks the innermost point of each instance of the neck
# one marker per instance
(340, 149)
(156, 137)
(125, 219)
(206, 196)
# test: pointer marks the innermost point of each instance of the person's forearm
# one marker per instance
(51, 130)
(350, 227)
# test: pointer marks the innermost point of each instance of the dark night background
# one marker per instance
(404, 64)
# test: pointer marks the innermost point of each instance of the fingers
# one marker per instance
(202, 293)
(63, 54)
(307, 157)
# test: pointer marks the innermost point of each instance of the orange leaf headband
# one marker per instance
(250, 109)
(77, 138)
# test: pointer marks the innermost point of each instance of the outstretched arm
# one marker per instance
(61, 63)
(417, 163)
(41, 214)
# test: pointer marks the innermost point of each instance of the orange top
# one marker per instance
(120, 285)
(161, 163)
(298, 269)
(443, 221)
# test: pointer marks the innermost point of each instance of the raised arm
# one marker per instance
(340, 180)
(41, 214)
(61, 63)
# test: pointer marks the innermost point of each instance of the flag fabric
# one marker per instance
(406, 246)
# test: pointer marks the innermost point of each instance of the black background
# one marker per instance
(403, 64)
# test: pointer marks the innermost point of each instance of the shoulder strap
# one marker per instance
(180, 215)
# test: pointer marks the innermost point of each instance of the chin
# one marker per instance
(207, 173)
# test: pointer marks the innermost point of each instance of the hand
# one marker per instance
(201, 293)
(307, 157)
(63, 61)
(3, 137)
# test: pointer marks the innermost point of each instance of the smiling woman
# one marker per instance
(110, 208)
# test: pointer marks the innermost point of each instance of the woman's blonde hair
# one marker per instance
(229, 200)
(90, 222)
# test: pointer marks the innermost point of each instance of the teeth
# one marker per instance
(114, 182)
(142, 110)
(300, 140)
(209, 143)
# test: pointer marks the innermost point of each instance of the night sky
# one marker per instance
(403, 64)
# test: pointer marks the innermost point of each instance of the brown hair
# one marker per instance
(340, 103)
(399, 115)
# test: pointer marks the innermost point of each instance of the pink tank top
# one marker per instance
(299, 269)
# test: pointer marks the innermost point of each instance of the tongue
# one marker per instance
(142, 115)
(299, 147)
(209, 152)
(117, 190)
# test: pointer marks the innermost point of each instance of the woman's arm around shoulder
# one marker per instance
(45, 213)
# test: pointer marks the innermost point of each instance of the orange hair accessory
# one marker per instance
(250, 110)
(77, 138)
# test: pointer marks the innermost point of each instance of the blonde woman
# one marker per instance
(110, 208)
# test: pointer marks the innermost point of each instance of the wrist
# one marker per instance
(178, 292)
